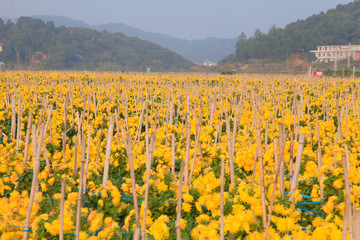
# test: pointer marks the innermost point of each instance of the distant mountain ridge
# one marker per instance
(35, 44)
(211, 49)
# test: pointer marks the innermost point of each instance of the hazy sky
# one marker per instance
(190, 19)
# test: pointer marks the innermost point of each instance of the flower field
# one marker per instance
(155, 156)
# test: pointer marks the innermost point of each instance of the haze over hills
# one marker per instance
(338, 26)
(211, 49)
(287, 50)
(32, 43)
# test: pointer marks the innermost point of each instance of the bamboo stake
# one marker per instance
(26, 151)
(62, 201)
(64, 133)
(78, 139)
(129, 152)
(222, 199)
(187, 151)
(178, 213)
(46, 156)
(230, 150)
(319, 159)
(87, 156)
(294, 181)
(108, 151)
(291, 148)
(277, 169)
(281, 159)
(79, 200)
(198, 130)
(217, 133)
(35, 180)
(310, 132)
(138, 132)
(99, 143)
(356, 217)
(18, 130)
(13, 116)
(173, 154)
(117, 126)
(347, 224)
(261, 169)
(149, 162)
(147, 143)
(266, 134)
(152, 143)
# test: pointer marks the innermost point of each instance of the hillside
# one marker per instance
(212, 49)
(336, 26)
(32, 43)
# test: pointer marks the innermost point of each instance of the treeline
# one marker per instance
(336, 26)
(80, 48)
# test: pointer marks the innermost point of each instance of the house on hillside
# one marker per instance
(334, 53)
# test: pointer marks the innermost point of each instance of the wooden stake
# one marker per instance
(78, 138)
(62, 201)
(291, 148)
(26, 151)
(87, 156)
(222, 199)
(230, 150)
(187, 151)
(347, 224)
(281, 159)
(108, 151)
(13, 116)
(129, 152)
(99, 143)
(319, 161)
(197, 137)
(148, 167)
(261, 169)
(277, 169)
(19, 121)
(81, 187)
(179, 204)
(294, 181)
(356, 217)
(35, 180)
(173, 154)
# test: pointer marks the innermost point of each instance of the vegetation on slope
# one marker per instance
(336, 26)
(80, 48)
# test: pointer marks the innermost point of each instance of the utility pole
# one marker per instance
(349, 54)
(336, 56)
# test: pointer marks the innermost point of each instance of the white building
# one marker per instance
(333, 53)
(207, 63)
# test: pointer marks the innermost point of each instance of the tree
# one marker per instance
(241, 47)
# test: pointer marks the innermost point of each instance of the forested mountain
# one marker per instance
(212, 49)
(337, 26)
(36, 44)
